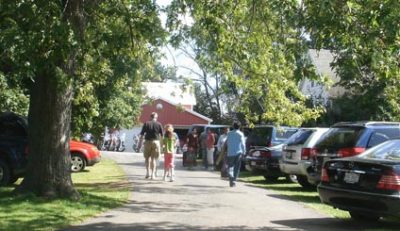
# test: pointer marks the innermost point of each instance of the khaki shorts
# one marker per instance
(151, 149)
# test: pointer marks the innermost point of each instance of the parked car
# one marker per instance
(14, 149)
(13, 142)
(347, 139)
(297, 151)
(265, 161)
(264, 149)
(82, 155)
(367, 185)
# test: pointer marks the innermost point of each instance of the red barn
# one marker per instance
(174, 104)
(170, 113)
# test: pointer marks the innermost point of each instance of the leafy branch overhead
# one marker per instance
(255, 48)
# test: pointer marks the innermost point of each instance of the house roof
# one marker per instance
(178, 93)
(186, 110)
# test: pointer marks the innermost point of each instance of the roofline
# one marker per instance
(366, 123)
(186, 110)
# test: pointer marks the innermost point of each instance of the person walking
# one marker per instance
(221, 153)
(152, 133)
(235, 149)
(169, 143)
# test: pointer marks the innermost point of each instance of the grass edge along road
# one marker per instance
(102, 187)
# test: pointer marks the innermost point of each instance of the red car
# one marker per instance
(13, 149)
(82, 155)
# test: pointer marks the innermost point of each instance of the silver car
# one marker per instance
(297, 153)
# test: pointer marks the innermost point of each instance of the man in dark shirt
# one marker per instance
(152, 133)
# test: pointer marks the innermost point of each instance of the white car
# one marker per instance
(298, 152)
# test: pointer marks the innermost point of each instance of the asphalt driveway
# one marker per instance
(200, 200)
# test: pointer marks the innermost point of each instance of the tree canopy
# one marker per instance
(256, 48)
(89, 54)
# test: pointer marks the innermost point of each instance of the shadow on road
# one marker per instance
(337, 224)
(322, 224)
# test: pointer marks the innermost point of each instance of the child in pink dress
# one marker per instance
(169, 142)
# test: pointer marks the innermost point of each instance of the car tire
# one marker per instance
(302, 180)
(359, 216)
(271, 178)
(5, 173)
(291, 178)
(78, 162)
(12, 180)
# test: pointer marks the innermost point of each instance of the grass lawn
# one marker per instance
(102, 187)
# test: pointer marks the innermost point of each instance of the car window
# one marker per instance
(389, 150)
(260, 136)
(12, 128)
(390, 132)
(340, 137)
(284, 134)
(377, 138)
(300, 137)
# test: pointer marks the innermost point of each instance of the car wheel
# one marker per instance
(291, 178)
(302, 180)
(5, 173)
(78, 163)
(13, 179)
(271, 178)
(359, 216)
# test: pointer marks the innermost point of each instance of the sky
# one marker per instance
(175, 57)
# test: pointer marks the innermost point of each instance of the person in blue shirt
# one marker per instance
(235, 143)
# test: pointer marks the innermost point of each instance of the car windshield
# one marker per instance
(389, 150)
(341, 137)
(299, 137)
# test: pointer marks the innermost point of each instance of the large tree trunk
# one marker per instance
(48, 172)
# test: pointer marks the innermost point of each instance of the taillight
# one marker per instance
(324, 175)
(345, 152)
(265, 154)
(308, 153)
(261, 153)
(390, 181)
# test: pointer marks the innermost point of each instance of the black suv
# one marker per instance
(13, 140)
(264, 149)
(349, 139)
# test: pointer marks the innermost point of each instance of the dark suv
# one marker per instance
(264, 149)
(349, 139)
(13, 143)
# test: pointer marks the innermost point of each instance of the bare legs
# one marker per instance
(170, 172)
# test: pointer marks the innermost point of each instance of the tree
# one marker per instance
(67, 45)
(363, 35)
(257, 47)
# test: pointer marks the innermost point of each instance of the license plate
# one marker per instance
(351, 177)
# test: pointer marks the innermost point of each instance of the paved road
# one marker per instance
(200, 200)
